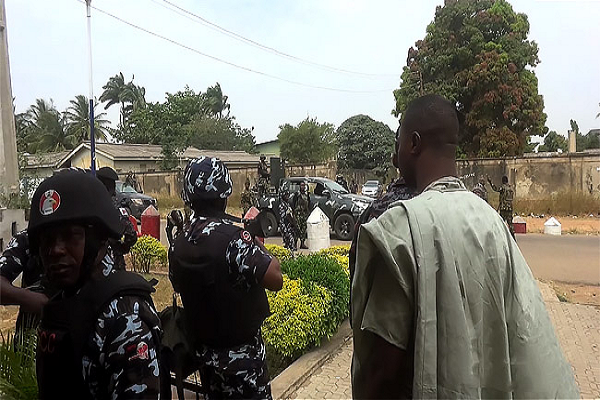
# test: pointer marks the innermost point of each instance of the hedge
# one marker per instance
(280, 252)
(324, 271)
(147, 252)
(301, 317)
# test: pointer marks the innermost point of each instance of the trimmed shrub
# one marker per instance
(147, 252)
(324, 271)
(301, 317)
(280, 252)
(342, 250)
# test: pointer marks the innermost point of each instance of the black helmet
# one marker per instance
(262, 157)
(107, 173)
(72, 195)
(205, 178)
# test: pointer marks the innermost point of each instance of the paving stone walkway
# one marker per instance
(577, 327)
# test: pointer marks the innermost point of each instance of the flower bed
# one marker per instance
(309, 308)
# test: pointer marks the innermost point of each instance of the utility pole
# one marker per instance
(88, 7)
(9, 167)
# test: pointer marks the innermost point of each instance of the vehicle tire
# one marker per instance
(344, 226)
(271, 228)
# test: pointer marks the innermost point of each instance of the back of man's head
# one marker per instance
(428, 139)
(505, 179)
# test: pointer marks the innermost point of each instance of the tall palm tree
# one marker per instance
(78, 120)
(216, 101)
(128, 95)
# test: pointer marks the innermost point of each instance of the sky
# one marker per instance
(48, 55)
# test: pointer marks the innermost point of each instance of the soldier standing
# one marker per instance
(263, 176)
(221, 273)
(287, 222)
(301, 212)
(505, 205)
(480, 189)
(247, 199)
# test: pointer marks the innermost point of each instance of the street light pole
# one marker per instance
(92, 138)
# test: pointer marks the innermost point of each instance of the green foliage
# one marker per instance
(300, 317)
(148, 252)
(553, 142)
(324, 271)
(341, 250)
(365, 144)
(309, 142)
(476, 54)
(130, 96)
(78, 120)
(17, 367)
(585, 142)
(280, 252)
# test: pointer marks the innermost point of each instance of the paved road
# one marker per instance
(566, 258)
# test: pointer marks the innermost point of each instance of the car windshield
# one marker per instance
(371, 183)
(335, 187)
(121, 188)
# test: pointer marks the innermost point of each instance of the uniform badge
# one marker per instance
(246, 237)
(124, 212)
(141, 352)
(49, 202)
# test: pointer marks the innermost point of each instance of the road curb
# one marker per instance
(288, 381)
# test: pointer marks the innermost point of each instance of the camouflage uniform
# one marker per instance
(120, 359)
(397, 190)
(301, 212)
(263, 178)
(247, 200)
(505, 207)
(16, 260)
(287, 224)
(238, 371)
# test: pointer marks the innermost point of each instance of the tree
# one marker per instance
(130, 96)
(554, 142)
(209, 133)
(365, 144)
(477, 55)
(309, 142)
(215, 102)
(78, 120)
(45, 128)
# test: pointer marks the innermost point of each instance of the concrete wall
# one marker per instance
(538, 176)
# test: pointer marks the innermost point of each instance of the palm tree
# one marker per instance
(129, 95)
(215, 101)
(45, 128)
(17, 366)
(78, 120)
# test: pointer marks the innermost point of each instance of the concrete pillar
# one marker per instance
(572, 142)
(9, 169)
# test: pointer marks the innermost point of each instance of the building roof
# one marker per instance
(45, 160)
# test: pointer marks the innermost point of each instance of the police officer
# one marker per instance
(505, 204)
(99, 335)
(263, 176)
(119, 247)
(221, 273)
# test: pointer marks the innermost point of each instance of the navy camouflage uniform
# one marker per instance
(122, 350)
(218, 268)
(397, 190)
(239, 371)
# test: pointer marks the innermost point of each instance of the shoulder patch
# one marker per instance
(124, 212)
(246, 237)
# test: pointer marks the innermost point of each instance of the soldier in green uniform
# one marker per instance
(505, 205)
(263, 176)
(247, 199)
(301, 211)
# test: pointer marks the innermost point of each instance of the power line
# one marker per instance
(203, 21)
(229, 62)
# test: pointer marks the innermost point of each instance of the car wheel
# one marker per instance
(271, 228)
(344, 227)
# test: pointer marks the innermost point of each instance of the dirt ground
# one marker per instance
(570, 225)
(577, 294)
